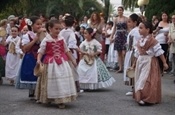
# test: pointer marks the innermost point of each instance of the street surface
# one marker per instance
(110, 101)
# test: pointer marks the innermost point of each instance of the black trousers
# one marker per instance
(166, 55)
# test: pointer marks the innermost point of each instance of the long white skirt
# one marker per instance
(88, 74)
(12, 66)
(61, 81)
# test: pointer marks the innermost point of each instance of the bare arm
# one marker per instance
(69, 55)
(114, 29)
(40, 55)
(164, 61)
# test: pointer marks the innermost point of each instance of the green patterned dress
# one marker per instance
(93, 76)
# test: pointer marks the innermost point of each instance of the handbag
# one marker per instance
(38, 70)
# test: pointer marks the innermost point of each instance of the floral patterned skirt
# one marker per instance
(104, 78)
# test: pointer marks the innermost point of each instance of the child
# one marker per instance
(30, 45)
(111, 54)
(92, 71)
(147, 72)
(57, 82)
(13, 55)
(24, 30)
(132, 38)
(82, 28)
(69, 35)
(108, 33)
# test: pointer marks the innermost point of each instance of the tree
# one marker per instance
(77, 8)
(156, 7)
(130, 4)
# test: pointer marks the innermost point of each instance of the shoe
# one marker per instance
(12, 82)
(38, 102)
(141, 103)
(81, 91)
(130, 93)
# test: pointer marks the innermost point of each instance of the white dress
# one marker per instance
(93, 76)
(132, 39)
(12, 60)
(59, 76)
(112, 57)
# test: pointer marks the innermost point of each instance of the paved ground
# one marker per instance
(111, 101)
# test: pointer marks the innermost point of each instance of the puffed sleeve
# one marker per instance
(72, 42)
(42, 46)
(99, 46)
(158, 50)
(25, 39)
(82, 46)
(136, 53)
(18, 48)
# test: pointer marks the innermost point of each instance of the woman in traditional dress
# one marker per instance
(3, 35)
(92, 71)
(120, 31)
(133, 37)
(147, 89)
(56, 84)
(13, 56)
(30, 45)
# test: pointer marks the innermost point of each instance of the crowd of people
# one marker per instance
(56, 58)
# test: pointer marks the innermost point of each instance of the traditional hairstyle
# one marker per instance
(32, 20)
(91, 31)
(51, 24)
(148, 25)
(135, 18)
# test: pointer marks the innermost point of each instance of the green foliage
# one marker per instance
(78, 8)
(156, 7)
(129, 4)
